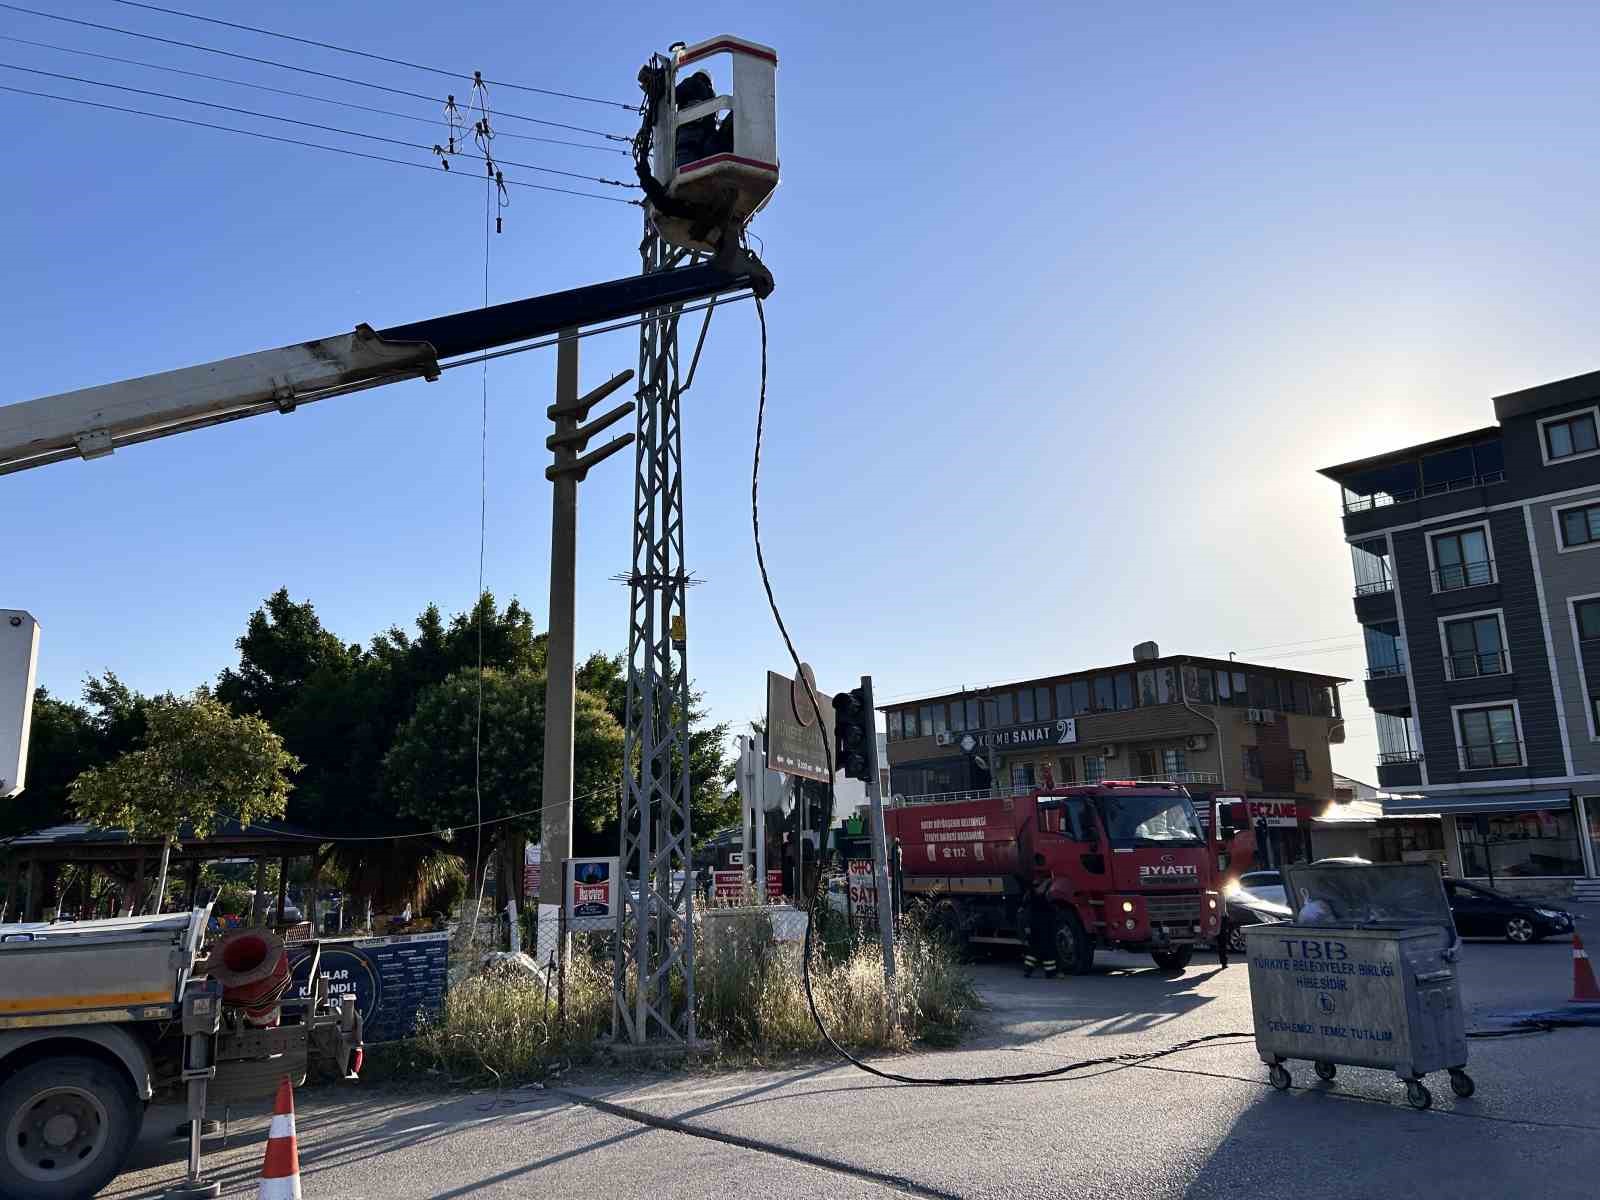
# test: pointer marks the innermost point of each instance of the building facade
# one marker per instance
(1218, 727)
(1480, 608)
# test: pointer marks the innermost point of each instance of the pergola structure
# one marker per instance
(34, 863)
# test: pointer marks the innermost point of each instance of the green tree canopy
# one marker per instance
(200, 766)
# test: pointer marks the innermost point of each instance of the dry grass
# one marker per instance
(750, 1002)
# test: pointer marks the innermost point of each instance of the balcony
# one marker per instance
(1456, 576)
(1400, 770)
(1387, 688)
(1375, 607)
(1477, 665)
(1360, 504)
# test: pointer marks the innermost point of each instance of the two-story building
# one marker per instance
(1219, 727)
(1480, 606)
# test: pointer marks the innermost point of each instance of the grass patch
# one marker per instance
(750, 1002)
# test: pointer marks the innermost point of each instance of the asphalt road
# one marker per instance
(1197, 1124)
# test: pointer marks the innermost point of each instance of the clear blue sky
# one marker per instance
(1072, 300)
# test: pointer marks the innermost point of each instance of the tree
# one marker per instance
(200, 765)
(435, 775)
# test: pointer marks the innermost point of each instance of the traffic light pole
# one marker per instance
(880, 850)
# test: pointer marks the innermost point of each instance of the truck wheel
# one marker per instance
(68, 1124)
(1173, 960)
(1074, 949)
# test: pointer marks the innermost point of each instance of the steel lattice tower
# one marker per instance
(653, 979)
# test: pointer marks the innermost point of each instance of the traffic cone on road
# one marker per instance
(1584, 988)
(280, 1171)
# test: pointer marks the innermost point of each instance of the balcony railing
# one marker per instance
(1384, 499)
(1474, 665)
(1377, 587)
(1456, 576)
(1185, 778)
(1395, 758)
(1386, 670)
(1487, 756)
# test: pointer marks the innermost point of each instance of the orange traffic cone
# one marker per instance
(1584, 988)
(280, 1172)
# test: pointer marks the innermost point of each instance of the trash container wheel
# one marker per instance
(1461, 1083)
(1325, 1070)
(1278, 1076)
(1418, 1095)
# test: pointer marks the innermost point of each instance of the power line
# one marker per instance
(397, 62)
(288, 141)
(268, 62)
(262, 87)
(250, 112)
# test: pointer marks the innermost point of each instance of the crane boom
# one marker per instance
(92, 422)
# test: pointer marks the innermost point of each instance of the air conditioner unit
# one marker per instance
(1109, 750)
(1253, 715)
(944, 739)
(1197, 741)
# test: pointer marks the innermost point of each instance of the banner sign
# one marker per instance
(591, 893)
(727, 885)
(863, 889)
(396, 980)
(531, 868)
(775, 885)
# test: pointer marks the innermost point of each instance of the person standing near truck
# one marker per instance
(1041, 932)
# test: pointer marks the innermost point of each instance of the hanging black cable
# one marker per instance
(268, 62)
(250, 112)
(397, 62)
(288, 141)
(810, 900)
(262, 87)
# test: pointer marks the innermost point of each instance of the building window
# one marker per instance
(1488, 737)
(1241, 690)
(1588, 615)
(1198, 683)
(1386, 650)
(1004, 710)
(1252, 761)
(1397, 739)
(1063, 700)
(1475, 646)
(958, 717)
(1568, 437)
(1094, 768)
(1080, 697)
(1069, 770)
(1124, 686)
(1224, 688)
(925, 716)
(1580, 526)
(1173, 762)
(1594, 715)
(1520, 845)
(1105, 694)
(1025, 706)
(939, 718)
(1021, 774)
(894, 726)
(1302, 766)
(1371, 561)
(1146, 764)
(1041, 700)
(1461, 559)
(1147, 688)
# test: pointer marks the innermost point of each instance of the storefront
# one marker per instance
(1534, 843)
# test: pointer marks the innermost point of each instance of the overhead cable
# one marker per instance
(288, 141)
(398, 62)
(250, 112)
(262, 87)
(268, 62)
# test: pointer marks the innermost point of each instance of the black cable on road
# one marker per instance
(811, 899)
(288, 141)
(397, 62)
(268, 62)
(250, 112)
(262, 87)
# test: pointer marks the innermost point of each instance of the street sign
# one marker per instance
(591, 894)
(794, 742)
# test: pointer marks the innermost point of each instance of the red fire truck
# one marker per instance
(1127, 864)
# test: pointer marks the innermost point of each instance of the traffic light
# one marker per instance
(850, 733)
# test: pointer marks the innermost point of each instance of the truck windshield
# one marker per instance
(1150, 821)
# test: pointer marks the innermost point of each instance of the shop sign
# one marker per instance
(592, 894)
(863, 889)
(1062, 732)
(727, 885)
(1278, 814)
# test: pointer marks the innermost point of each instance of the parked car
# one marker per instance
(1483, 912)
(1268, 885)
(1251, 908)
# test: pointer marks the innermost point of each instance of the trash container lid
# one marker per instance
(1376, 894)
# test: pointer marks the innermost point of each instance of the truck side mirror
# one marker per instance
(1093, 862)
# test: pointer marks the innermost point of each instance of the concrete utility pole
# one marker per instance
(568, 470)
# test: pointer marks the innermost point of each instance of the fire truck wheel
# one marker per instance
(1074, 950)
(1173, 960)
(68, 1124)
